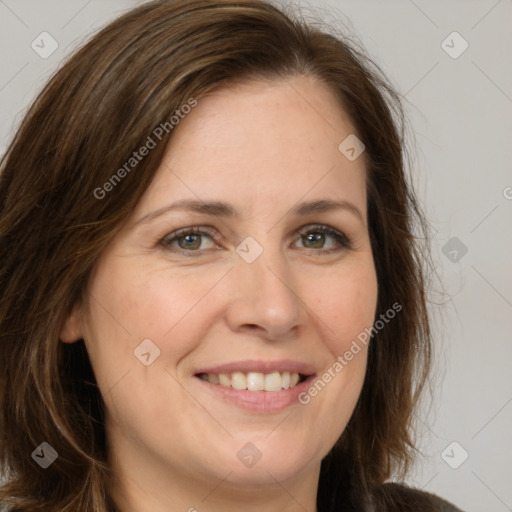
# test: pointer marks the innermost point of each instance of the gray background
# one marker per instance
(460, 112)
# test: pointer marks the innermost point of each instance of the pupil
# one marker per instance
(189, 241)
(316, 239)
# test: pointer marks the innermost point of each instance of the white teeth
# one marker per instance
(238, 380)
(254, 381)
(273, 381)
(224, 379)
(285, 376)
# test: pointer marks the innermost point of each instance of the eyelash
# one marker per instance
(341, 238)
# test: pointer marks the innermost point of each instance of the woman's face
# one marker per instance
(238, 271)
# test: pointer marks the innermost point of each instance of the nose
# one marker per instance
(263, 297)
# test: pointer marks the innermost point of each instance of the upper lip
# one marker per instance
(260, 366)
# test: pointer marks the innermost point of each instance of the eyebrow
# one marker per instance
(225, 210)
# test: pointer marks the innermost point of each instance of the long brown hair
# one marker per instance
(93, 114)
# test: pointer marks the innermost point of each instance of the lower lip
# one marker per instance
(258, 401)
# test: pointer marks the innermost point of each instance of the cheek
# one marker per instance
(347, 304)
(174, 308)
(131, 302)
(345, 309)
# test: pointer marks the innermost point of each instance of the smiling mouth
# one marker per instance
(254, 381)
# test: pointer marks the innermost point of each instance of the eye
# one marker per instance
(324, 239)
(189, 239)
(319, 238)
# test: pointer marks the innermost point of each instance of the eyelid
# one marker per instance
(198, 230)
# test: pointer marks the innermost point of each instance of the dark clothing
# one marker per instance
(394, 497)
(407, 498)
(390, 498)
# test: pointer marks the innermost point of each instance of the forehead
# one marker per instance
(261, 142)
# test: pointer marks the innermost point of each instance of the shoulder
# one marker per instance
(400, 498)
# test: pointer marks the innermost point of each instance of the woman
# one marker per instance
(212, 293)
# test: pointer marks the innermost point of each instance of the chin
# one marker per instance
(263, 459)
